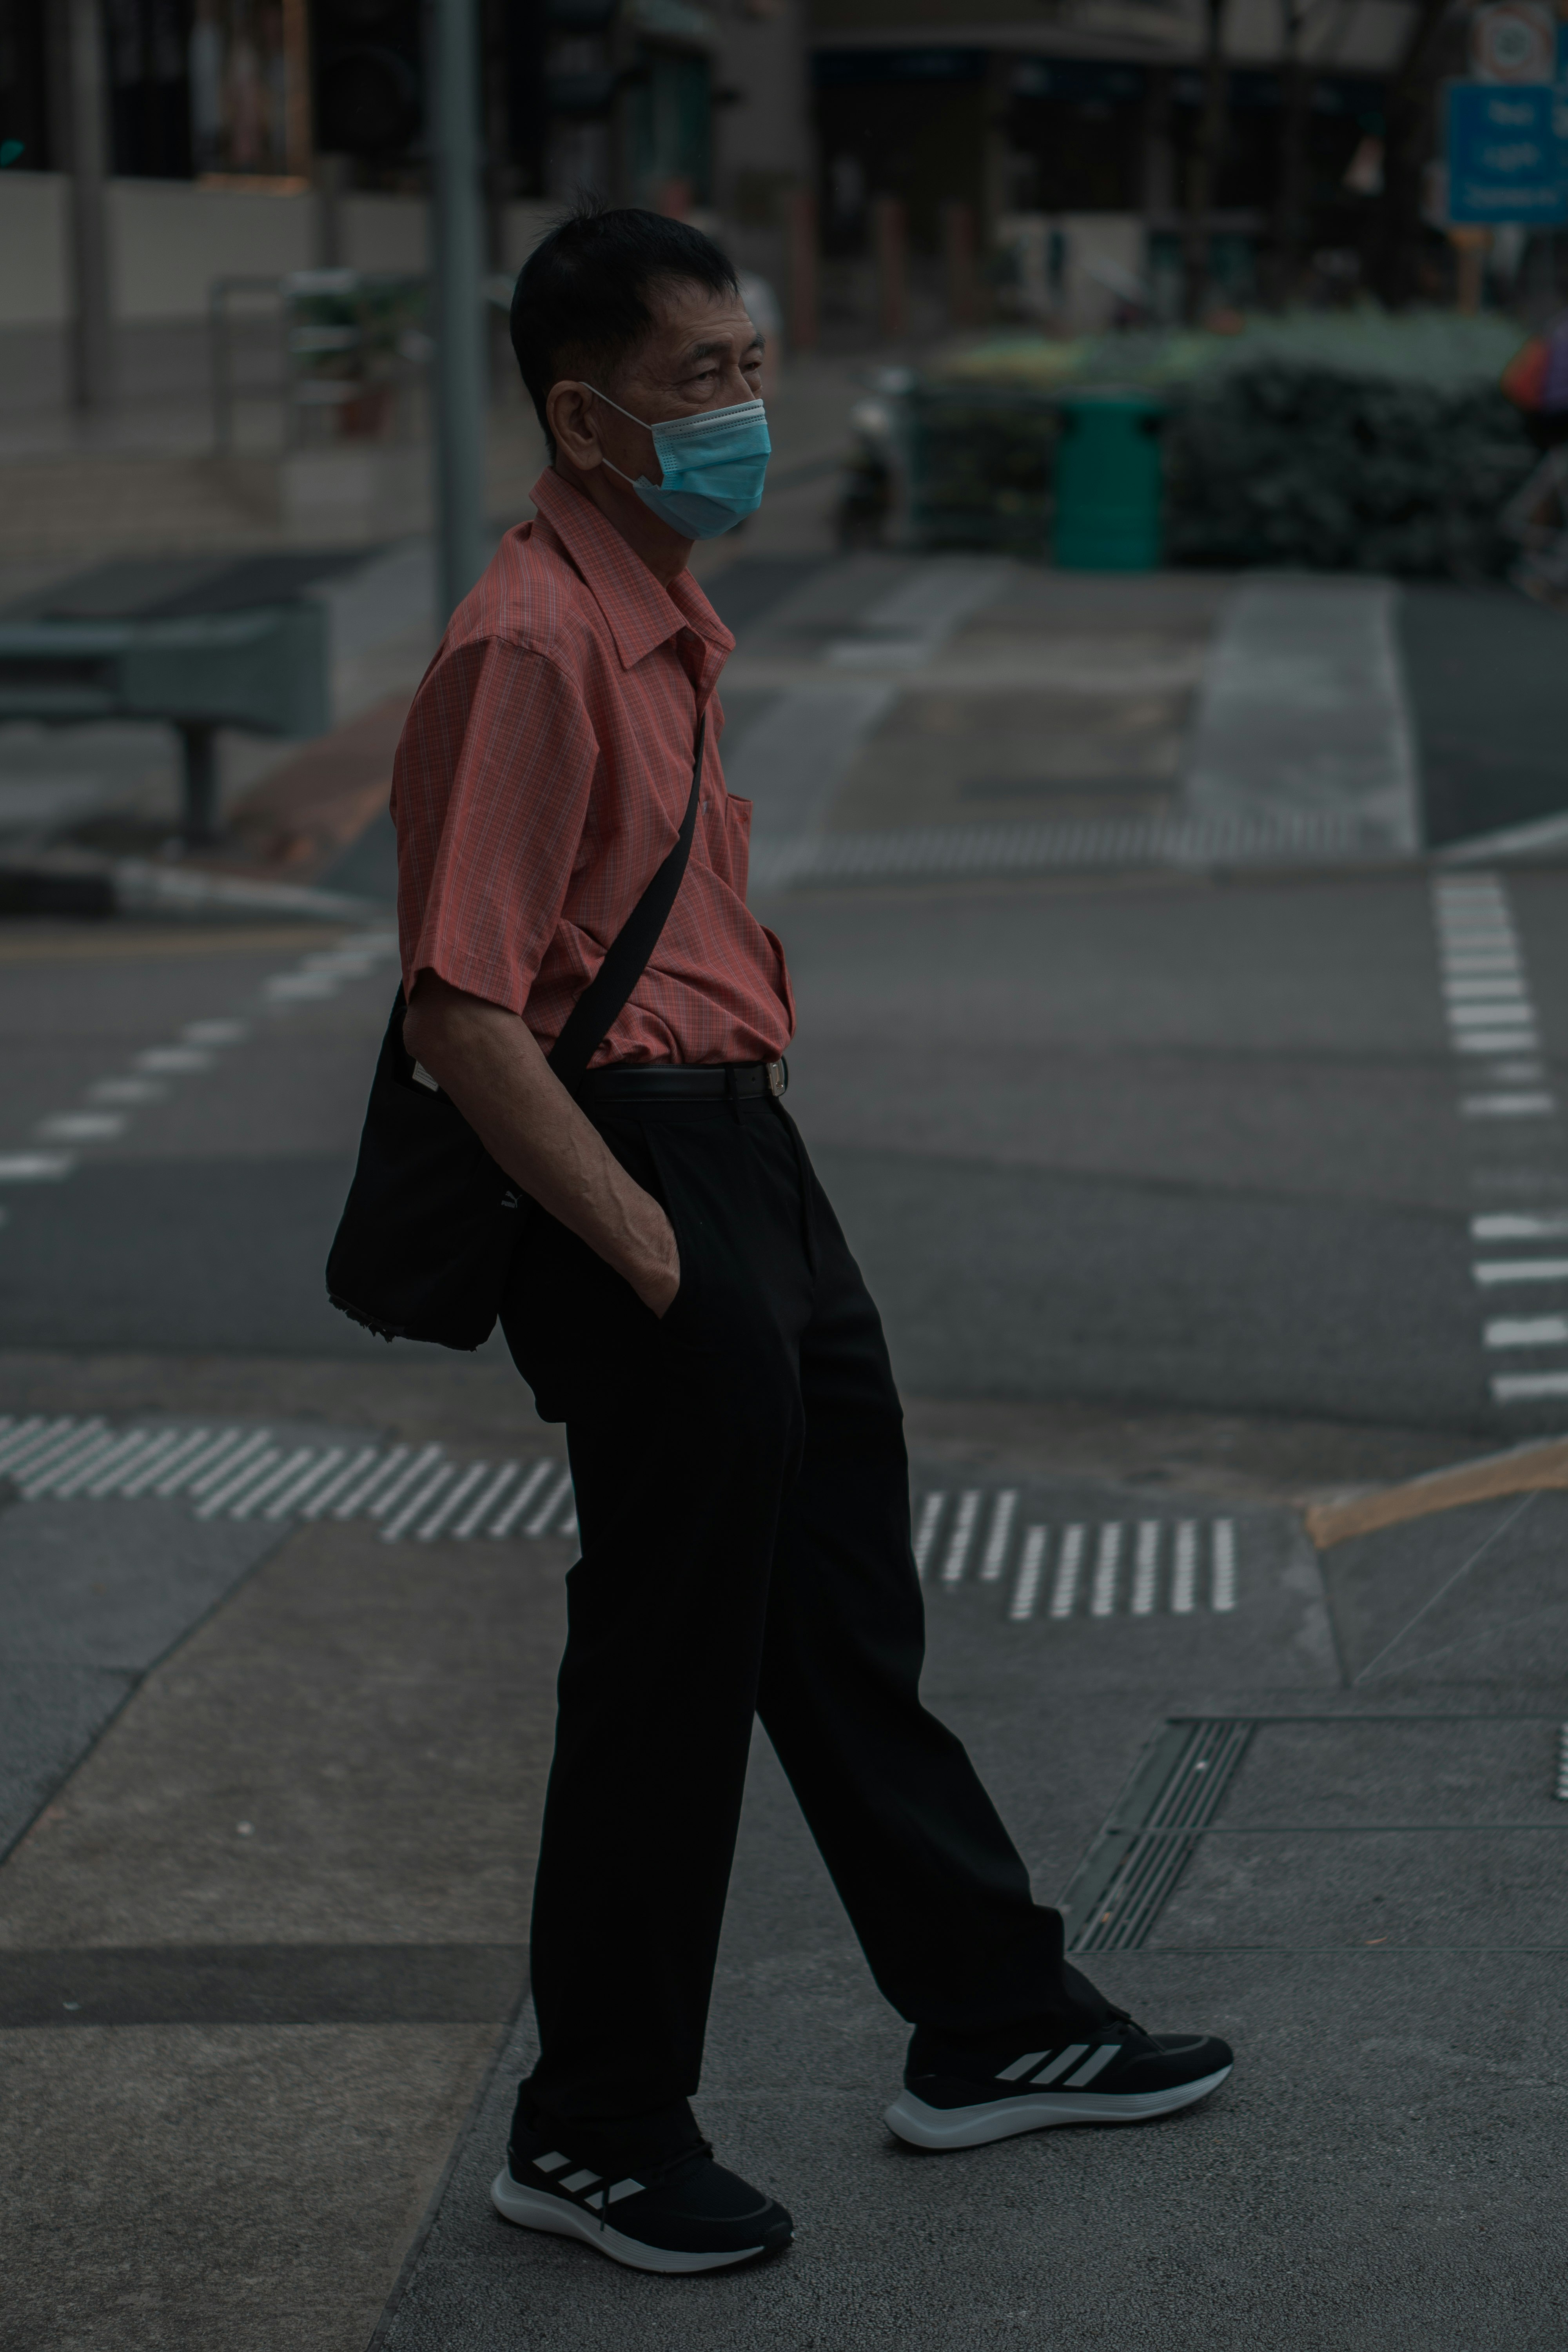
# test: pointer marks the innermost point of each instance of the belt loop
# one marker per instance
(732, 1088)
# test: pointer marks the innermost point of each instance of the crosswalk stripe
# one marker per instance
(245, 1476)
(1146, 1568)
(475, 1517)
(506, 1518)
(329, 1493)
(403, 1520)
(433, 1526)
(1070, 1566)
(205, 1458)
(1001, 1536)
(925, 1531)
(963, 1535)
(539, 1524)
(1027, 1589)
(222, 1477)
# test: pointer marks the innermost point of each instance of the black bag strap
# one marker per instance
(602, 1003)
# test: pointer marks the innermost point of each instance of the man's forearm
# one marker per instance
(490, 1064)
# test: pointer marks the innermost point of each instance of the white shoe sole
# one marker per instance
(532, 2211)
(991, 2119)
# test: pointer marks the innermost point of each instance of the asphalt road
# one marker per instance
(1183, 1142)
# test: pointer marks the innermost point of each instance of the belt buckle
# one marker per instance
(778, 1078)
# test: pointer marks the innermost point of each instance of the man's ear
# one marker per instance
(573, 428)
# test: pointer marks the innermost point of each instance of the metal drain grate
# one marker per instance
(1124, 1883)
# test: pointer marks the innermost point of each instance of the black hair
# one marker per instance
(581, 295)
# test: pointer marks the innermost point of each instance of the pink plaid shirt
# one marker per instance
(542, 776)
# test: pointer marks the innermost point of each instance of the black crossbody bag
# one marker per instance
(426, 1237)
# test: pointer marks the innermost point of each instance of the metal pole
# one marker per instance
(92, 348)
(200, 823)
(455, 246)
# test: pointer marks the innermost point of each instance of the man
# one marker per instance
(684, 1300)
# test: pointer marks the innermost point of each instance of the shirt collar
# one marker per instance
(641, 614)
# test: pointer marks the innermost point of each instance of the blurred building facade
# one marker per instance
(270, 136)
(1092, 140)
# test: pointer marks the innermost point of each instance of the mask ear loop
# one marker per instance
(629, 481)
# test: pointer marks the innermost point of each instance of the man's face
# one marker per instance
(703, 353)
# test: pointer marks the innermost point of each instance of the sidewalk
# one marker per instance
(261, 1952)
(255, 1955)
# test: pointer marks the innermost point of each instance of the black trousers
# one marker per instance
(743, 1499)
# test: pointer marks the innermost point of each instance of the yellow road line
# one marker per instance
(1526, 1470)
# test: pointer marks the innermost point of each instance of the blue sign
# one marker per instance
(1506, 162)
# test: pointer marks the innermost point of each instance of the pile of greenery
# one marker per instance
(980, 466)
(1354, 441)
(1300, 466)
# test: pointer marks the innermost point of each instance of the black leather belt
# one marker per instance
(678, 1082)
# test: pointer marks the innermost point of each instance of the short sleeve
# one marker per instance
(490, 792)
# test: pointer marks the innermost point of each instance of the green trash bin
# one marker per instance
(1107, 482)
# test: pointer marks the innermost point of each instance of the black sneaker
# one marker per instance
(958, 2096)
(683, 2212)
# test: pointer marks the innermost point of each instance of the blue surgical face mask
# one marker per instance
(713, 465)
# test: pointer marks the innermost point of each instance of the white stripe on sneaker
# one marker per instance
(1062, 2061)
(1087, 2072)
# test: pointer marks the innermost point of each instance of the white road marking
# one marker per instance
(1491, 1271)
(449, 1501)
(925, 1534)
(81, 1126)
(1562, 1790)
(1528, 1331)
(404, 1518)
(172, 1061)
(1146, 1568)
(1107, 1560)
(299, 987)
(1494, 1044)
(19, 1438)
(35, 1167)
(347, 1505)
(539, 1524)
(1550, 1224)
(1517, 1013)
(1470, 990)
(104, 1460)
(283, 1475)
(209, 1458)
(184, 1448)
(221, 1497)
(512, 1511)
(1518, 1387)
(994, 1559)
(145, 1463)
(220, 1474)
(1184, 1573)
(474, 1518)
(1508, 1106)
(963, 1536)
(215, 1033)
(388, 1497)
(127, 1090)
(1223, 1590)
(1070, 1567)
(1025, 1591)
(57, 1438)
(84, 1450)
(321, 1465)
(329, 1492)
